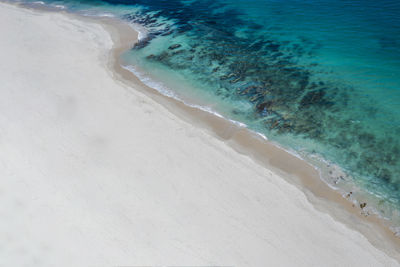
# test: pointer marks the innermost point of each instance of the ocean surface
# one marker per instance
(321, 78)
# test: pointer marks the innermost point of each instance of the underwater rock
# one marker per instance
(266, 105)
(273, 47)
(178, 52)
(312, 98)
(142, 43)
(216, 56)
(248, 90)
(257, 45)
(152, 56)
(285, 127)
(256, 98)
(235, 80)
(163, 56)
(274, 124)
(384, 174)
(167, 33)
(366, 139)
(185, 28)
(175, 46)
(255, 26)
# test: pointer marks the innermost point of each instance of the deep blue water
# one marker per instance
(319, 77)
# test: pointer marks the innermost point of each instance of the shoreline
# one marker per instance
(294, 170)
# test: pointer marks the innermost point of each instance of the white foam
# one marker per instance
(160, 87)
(163, 89)
(59, 6)
(106, 15)
(262, 136)
(142, 31)
(51, 5)
(96, 13)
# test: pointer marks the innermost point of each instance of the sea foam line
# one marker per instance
(164, 90)
(142, 31)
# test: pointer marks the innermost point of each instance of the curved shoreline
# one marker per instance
(293, 169)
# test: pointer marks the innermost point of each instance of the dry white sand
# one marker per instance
(94, 173)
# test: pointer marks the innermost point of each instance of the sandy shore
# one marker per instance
(97, 173)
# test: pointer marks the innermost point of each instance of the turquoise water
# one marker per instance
(319, 77)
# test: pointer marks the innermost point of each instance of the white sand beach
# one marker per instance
(95, 173)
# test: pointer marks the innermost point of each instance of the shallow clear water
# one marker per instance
(319, 77)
